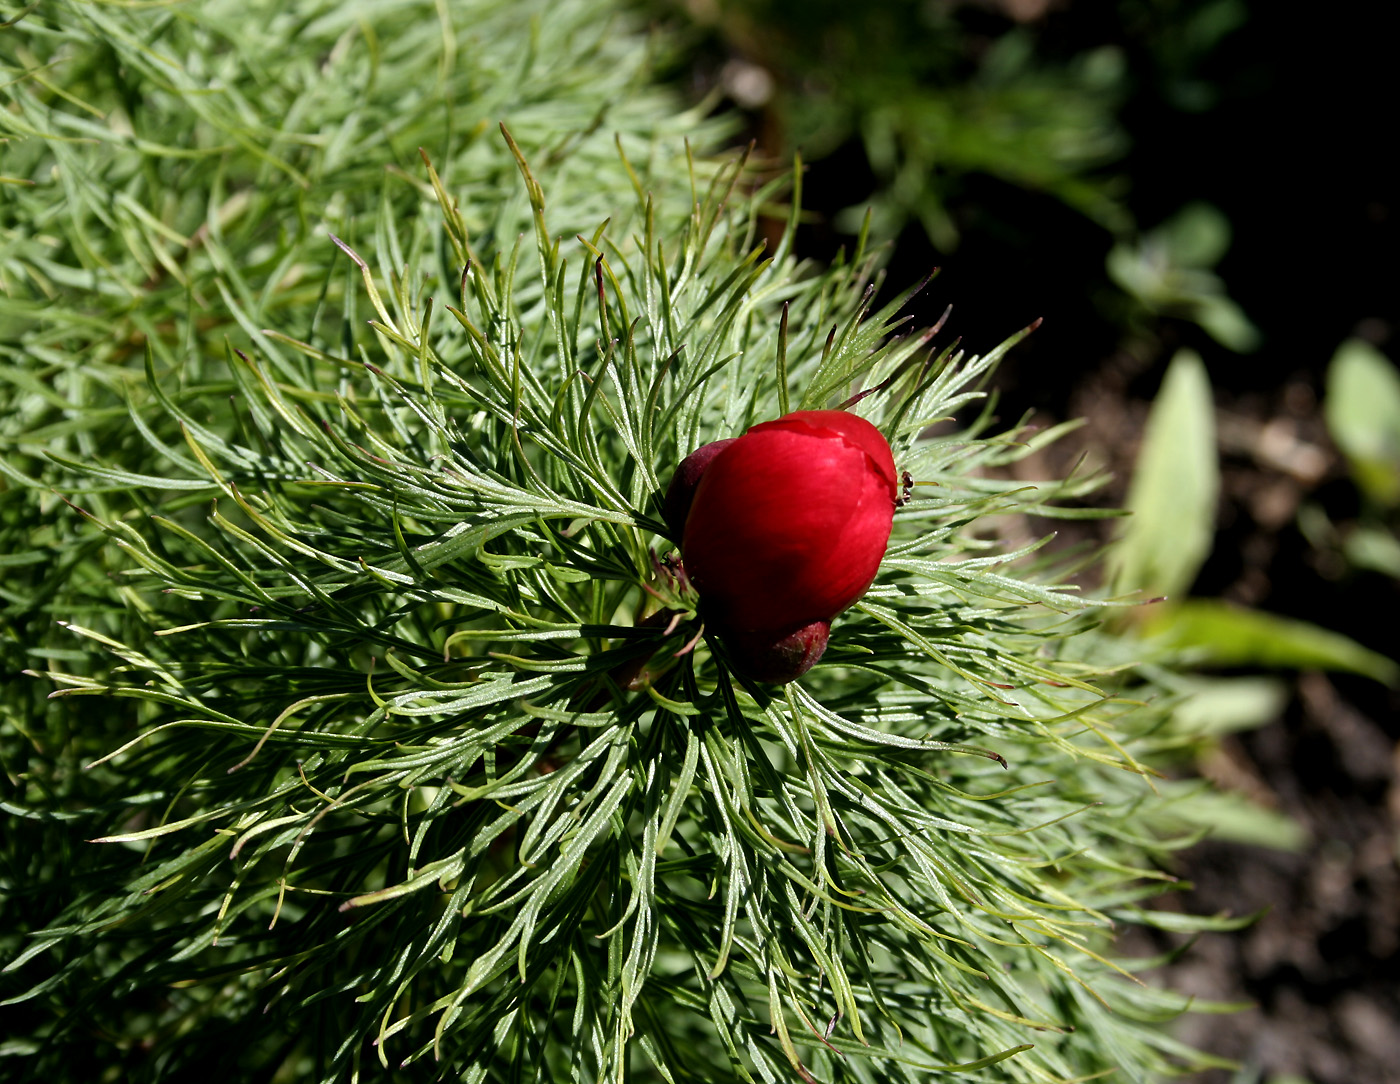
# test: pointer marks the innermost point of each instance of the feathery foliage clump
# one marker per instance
(331, 514)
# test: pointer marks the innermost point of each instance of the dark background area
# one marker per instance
(1280, 123)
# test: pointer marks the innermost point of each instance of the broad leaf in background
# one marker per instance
(1208, 632)
(1174, 488)
(1374, 549)
(1218, 706)
(1236, 817)
(1363, 416)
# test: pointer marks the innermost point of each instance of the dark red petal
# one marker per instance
(756, 542)
(850, 427)
(788, 526)
(679, 494)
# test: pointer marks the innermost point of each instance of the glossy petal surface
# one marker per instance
(788, 524)
(681, 492)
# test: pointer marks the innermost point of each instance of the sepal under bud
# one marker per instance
(780, 660)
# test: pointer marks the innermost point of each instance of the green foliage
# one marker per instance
(382, 731)
(1174, 487)
(1168, 273)
(900, 77)
(1219, 706)
(1168, 537)
(1161, 549)
(1362, 408)
(1213, 633)
(1373, 549)
(172, 181)
(1232, 816)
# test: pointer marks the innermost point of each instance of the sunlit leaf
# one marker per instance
(1235, 818)
(1217, 634)
(1214, 706)
(1174, 488)
(1375, 549)
(1198, 235)
(1362, 408)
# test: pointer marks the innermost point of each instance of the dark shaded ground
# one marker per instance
(1292, 155)
(1322, 964)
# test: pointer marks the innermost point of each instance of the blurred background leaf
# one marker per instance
(1168, 272)
(1373, 549)
(1234, 817)
(1174, 488)
(1363, 416)
(1213, 633)
(1214, 707)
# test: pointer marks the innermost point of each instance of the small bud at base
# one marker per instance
(779, 661)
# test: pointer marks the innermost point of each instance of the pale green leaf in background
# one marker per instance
(1174, 487)
(1362, 408)
(1216, 706)
(1198, 235)
(1234, 817)
(1225, 322)
(1169, 273)
(1374, 549)
(1214, 633)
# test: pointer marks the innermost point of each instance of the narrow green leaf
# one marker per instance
(1174, 488)
(1218, 634)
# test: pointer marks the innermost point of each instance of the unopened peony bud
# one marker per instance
(681, 491)
(785, 528)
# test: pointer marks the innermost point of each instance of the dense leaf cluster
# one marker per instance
(379, 701)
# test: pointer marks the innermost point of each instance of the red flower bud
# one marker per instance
(681, 491)
(786, 528)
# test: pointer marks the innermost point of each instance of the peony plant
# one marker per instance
(388, 720)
